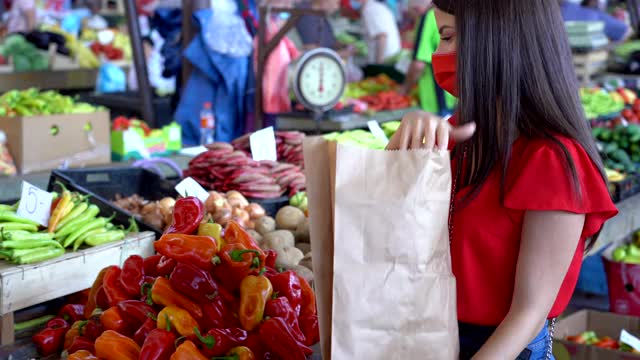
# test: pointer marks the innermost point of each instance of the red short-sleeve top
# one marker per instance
(487, 232)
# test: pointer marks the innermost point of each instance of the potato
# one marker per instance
(279, 239)
(305, 248)
(288, 256)
(304, 272)
(256, 237)
(288, 218)
(265, 225)
(302, 231)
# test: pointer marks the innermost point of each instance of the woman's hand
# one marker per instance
(422, 130)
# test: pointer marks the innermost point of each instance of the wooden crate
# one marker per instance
(590, 64)
(27, 285)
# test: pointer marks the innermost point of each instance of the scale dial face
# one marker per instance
(321, 81)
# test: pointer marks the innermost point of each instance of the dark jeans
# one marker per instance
(472, 337)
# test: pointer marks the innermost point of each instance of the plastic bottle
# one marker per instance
(207, 125)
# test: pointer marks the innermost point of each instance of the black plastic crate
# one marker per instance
(626, 188)
(103, 184)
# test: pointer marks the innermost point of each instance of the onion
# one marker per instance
(241, 214)
(213, 202)
(237, 200)
(255, 211)
(222, 217)
(240, 221)
(167, 202)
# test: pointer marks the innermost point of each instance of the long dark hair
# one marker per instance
(516, 78)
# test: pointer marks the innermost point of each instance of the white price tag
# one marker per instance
(630, 340)
(376, 130)
(263, 145)
(35, 204)
(189, 187)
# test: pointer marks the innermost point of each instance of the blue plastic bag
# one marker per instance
(111, 78)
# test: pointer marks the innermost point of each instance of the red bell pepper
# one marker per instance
(193, 282)
(188, 213)
(217, 315)
(236, 234)
(254, 342)
(50, 340)
(218, 342)
(132, 275)
(159, 345)
(308, 304)
(101, 299)
(279, 307)
(607, 343)
(147, 327)
(112, 288)
(287, 284)
(162, 293)
(270, 259)
(72, 313)
(310, 329)
(166, 266)
(150, 265)
(136, 312)
(81, 343)
(74, 331)
(113, 346)
(188, 351)
(112, 319)
(278, 339)
(235, 263)
(92, 302)
(82, 355)
(192, 249)
(93, 328)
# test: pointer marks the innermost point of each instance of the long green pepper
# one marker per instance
(76, 212)
(10, 216)
(29, 244)
(40, 256)
(21, 235)
(93, 224)
(72, 225)
(18, 226)
(79, 241)
(104, 238)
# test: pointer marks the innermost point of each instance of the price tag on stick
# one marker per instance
(263, 145)
(377, 131)
(35, 204)
(190, 187)
(627, 338)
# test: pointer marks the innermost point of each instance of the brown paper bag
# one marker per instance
(381, 258)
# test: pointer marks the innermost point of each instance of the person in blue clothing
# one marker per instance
(616, 30)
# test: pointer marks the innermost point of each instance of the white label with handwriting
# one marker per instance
(630, 340)
(263, 145)
(35, 204)
(190, 187)
(376, 130)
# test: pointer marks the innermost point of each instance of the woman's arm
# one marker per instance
(549, 242)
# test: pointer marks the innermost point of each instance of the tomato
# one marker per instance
(628, 113)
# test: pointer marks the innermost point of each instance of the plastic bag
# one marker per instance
(353, 72)
(111, 78)
(226, 32)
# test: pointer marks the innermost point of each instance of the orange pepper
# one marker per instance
(82, 355)
(163, 294)
(188, 351)
(93, 293)
(241, 353)
(63, 207)
(255, 291)
(178, 319)
(112, 319)
(113, 346)
(75, 331)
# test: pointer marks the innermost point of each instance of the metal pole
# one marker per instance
(140, 63)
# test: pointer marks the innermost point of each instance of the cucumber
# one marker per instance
(622, 157)
(610, 148)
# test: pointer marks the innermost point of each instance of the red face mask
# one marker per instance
(445, 71)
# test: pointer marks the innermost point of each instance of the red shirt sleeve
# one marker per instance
(538, 179)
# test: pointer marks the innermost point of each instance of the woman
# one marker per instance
(529, 189)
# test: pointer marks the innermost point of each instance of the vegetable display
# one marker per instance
(199, 298)
(598, 102)
(289, 146)
(619, 147)
(628, 253)
(223, 169)
(605, 342)
(34, 102)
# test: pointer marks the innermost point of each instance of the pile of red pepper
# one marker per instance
(197, 298)
(109, 51)
(387, 100)
(605, 342)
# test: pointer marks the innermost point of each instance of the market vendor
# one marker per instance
(381, 30)
(432, 98)
(21, 16)
(616, 30)
(529, 189)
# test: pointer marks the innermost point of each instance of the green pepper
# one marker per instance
(104, 238)
(21, 235)
(18, 226)
(29, 244)
(83, 228)
(10, 216)
(40, 256)
(72, 225)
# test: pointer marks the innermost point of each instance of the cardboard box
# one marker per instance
(604, 324)
(46, 142)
